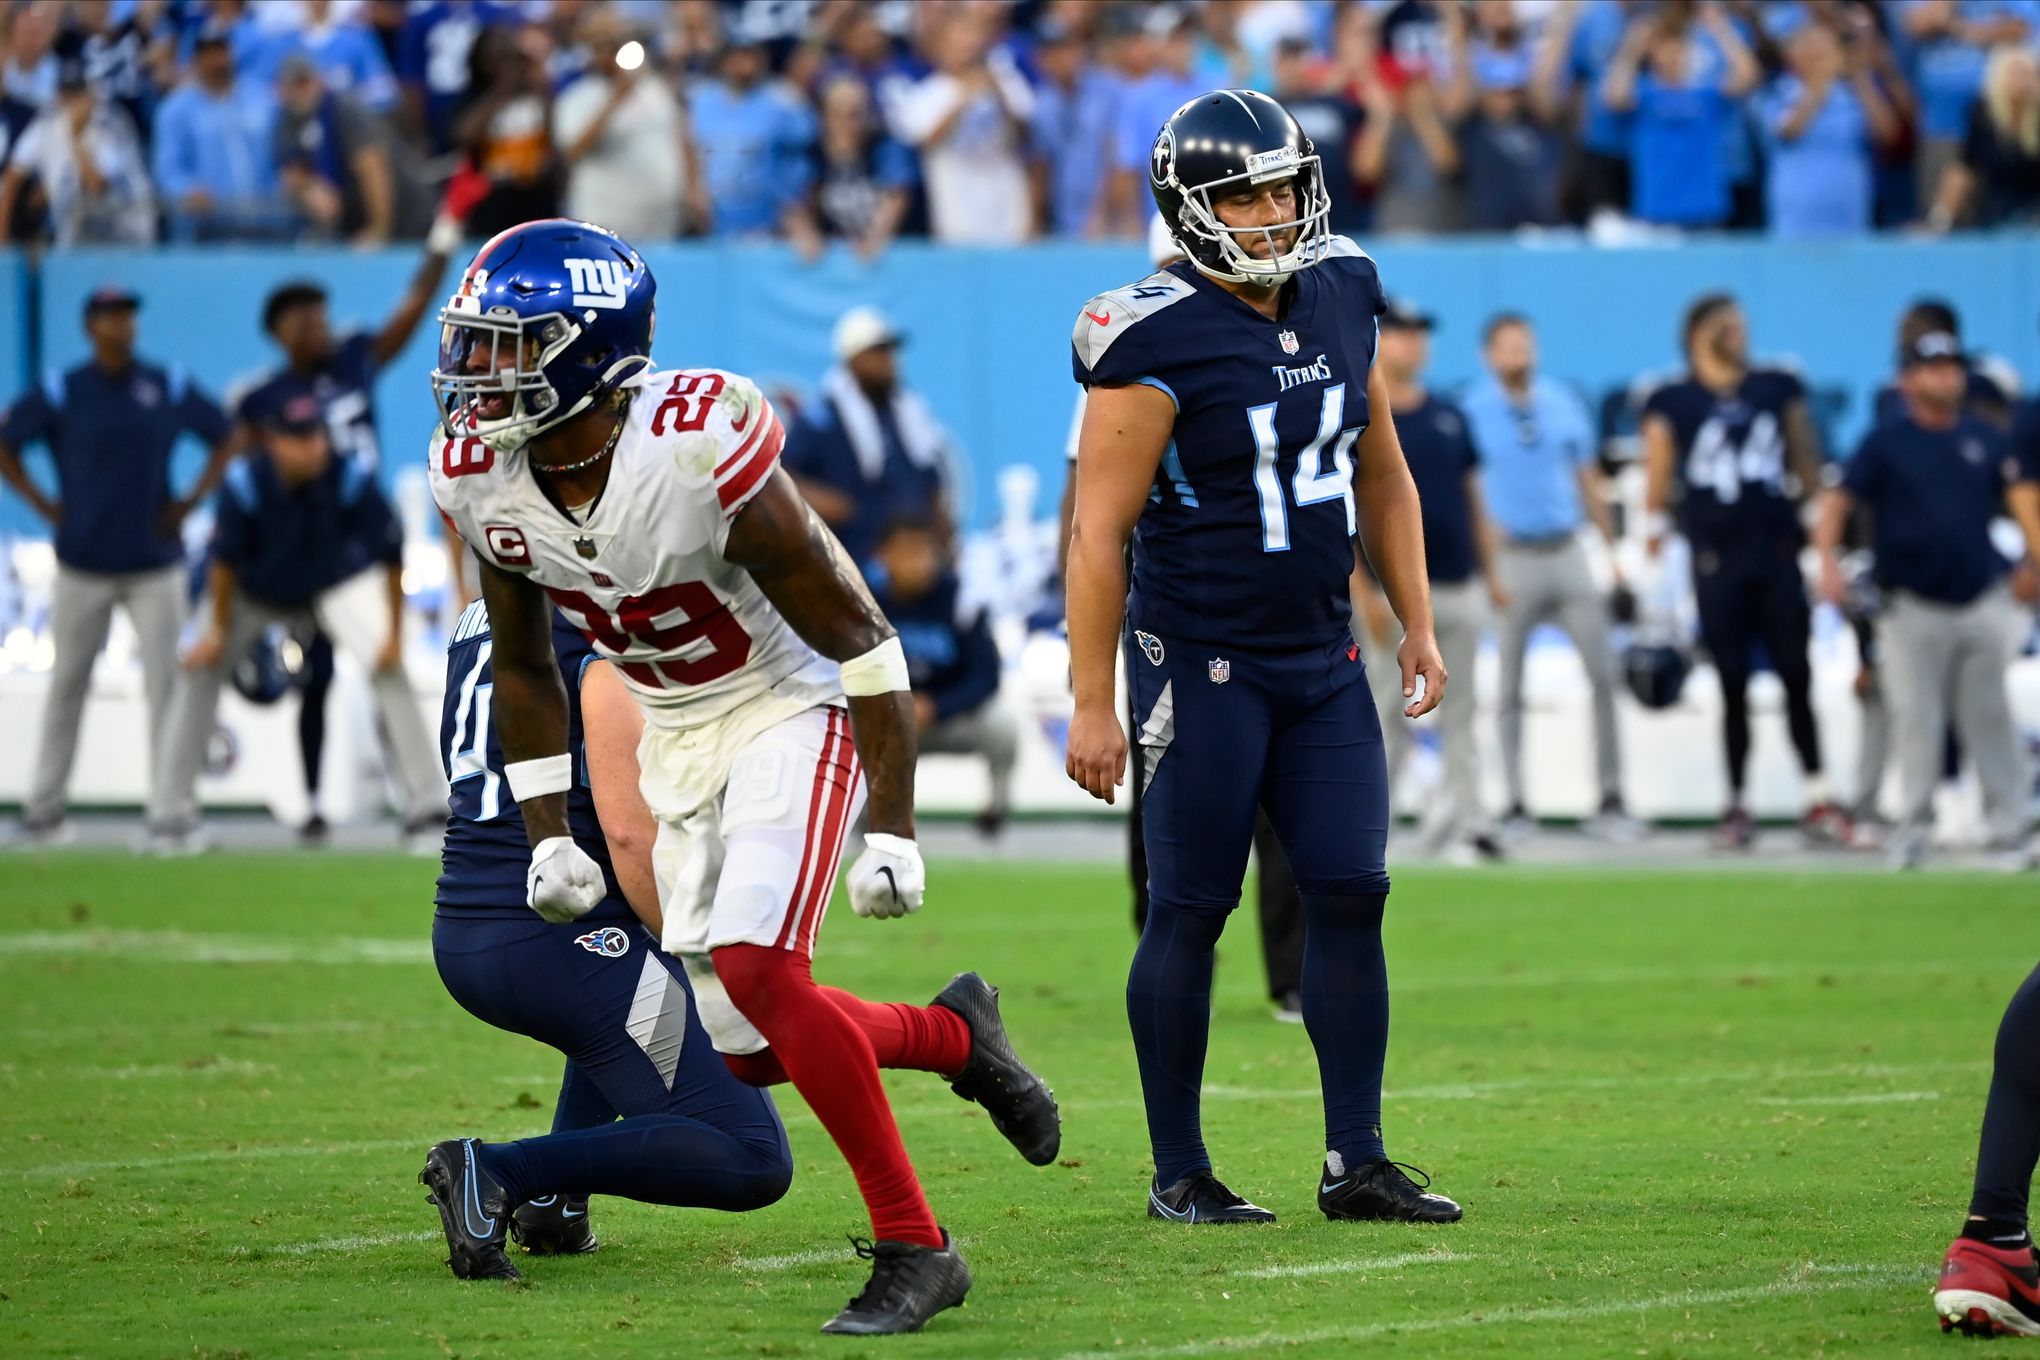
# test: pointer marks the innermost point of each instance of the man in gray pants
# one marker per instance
(111, 425)
(1536, 449)
(1459, 554)
(1933, 479)
(301, 534)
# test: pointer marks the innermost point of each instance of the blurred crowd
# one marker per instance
(997, 121)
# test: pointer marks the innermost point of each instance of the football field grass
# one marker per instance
(1689, 1113)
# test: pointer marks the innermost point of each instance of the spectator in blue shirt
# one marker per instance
(1683, 92)
(951, 657)
(1159, 80)
(1933, 480)
(433, 65)
(1075, 108)
(213, 157)
(344, 52)
(1536, 447)
(1821, 122)
(1951, 40)
(300, 533)
(111, 426)
(753, 141)
(1581, 39)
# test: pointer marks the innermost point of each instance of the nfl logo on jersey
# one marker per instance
(1220, 670)
(585, 546)
(1288, 339)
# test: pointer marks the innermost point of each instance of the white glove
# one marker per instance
(564, 883)
(887, 880)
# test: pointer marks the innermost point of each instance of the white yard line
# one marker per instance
(330, 1244)
(254, 1154)
(1860, 1277)
(178, 946)
(1867, 1098)
(1483, 1090)
(1360, 1267)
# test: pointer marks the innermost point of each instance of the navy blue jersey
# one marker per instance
(1732, 473)
(289, 544)
(1932, 495)
(486, 855)
(1247, 537)
(1440, 452)
(345, 387)
(112, 436)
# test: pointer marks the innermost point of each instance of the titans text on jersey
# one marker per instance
(1247, 537)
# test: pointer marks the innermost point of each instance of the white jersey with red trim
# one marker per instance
(643, 573)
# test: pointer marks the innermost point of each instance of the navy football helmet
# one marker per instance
(1218, 143)
(1656, 672)
(550, 317)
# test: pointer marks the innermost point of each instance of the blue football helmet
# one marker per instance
(550, 317)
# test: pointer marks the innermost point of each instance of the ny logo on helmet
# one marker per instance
(599, 283)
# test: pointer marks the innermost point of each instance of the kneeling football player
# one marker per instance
(647, 1109)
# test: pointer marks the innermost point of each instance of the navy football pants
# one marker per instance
(1219, 733)
(620, 1010)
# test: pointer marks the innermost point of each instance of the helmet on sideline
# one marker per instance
(1227, 140)
(1656, 672)
(559, 313)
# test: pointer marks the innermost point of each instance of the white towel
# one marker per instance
(926, 442)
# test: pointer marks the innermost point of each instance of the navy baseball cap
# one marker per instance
(1400, 314)
(112, 297)
(1932, 348)
(301, 414)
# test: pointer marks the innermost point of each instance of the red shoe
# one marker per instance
(1989, 1291)
(1826, 824)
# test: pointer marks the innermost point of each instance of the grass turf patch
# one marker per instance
(1688, 1114)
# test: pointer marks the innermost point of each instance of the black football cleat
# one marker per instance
(1201, 1197)
(1020, 1103)
(1383, 1192)
(553, 1226)
(471, 1208)
(909, 1285)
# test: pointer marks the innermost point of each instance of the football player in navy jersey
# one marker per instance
(1236, 430)
(1730, 450)
(647, 1109)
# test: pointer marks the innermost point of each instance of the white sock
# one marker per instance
(1816, 787)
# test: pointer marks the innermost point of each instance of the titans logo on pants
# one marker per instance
(609, 942)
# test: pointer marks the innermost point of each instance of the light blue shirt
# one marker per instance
(347, 57)
(1948, 73)
(754, 153)
(1819, 185)
(1530, 455)
(1073, 130)
(218, 143)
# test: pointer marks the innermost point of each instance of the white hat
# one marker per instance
(1162, 246)
(863, 328)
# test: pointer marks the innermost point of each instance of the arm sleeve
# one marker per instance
(2025, 440)
(28, 420)
(1860, 473)
(975, 676)
(370, 520)
(233, 527)
(167, 160)
(374, 83)
(893, 165)
(200, 414)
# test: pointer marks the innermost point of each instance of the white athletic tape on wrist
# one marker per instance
(882, 670)
(537, 778)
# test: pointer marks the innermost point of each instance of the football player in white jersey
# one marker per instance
(649, 508)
